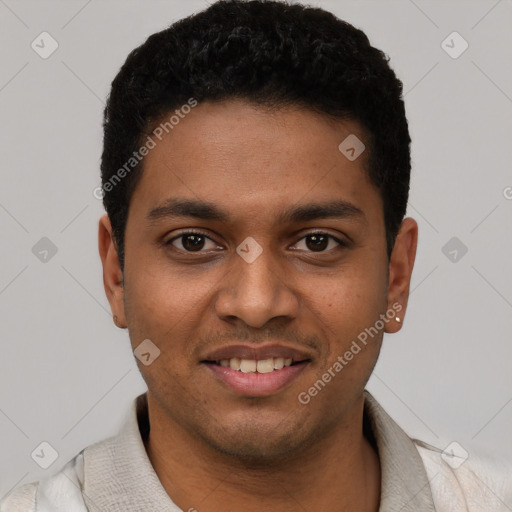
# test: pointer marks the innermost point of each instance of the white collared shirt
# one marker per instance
(116, 475)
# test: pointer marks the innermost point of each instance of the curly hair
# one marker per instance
(272, 54)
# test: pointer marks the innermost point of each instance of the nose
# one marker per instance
(256, 292)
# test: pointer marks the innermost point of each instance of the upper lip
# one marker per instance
(259, 353)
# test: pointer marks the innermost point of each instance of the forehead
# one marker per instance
(255, 161)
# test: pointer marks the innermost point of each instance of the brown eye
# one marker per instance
(190, 241)
(320, 242)
(317, 242)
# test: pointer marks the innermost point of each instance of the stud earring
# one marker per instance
(398, 319)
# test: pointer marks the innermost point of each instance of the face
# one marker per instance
(251, 241)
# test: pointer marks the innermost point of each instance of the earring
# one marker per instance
(116, 321)
(398, 319)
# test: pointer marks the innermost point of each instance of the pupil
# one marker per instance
(318, 242)
(193, 242)
(314, 242)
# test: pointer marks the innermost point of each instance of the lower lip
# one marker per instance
(257, 384)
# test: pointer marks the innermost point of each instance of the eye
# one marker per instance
(192, 241)
(195, 241)
(320, 242)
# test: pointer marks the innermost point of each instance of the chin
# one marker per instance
(257, 446)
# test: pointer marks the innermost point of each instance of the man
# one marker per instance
(255, 174)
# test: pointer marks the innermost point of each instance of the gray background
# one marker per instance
(67, 375)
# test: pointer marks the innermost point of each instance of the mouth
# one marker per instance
(256, 373)
(268, 365)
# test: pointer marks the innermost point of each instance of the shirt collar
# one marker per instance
(404, 483)
(119, 475)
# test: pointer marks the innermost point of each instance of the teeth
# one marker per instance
(248, 365)
(265, 366)
(252, 365)
(278, 363)
(234, 363)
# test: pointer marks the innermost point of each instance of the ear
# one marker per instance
(400, 270)
(112, 274)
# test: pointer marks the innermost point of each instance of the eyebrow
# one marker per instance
(175, 208)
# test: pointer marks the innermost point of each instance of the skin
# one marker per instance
(232, 452)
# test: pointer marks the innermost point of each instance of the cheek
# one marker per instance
(167, 308)
(351, 298)
(158, 295)
(346, 317)
(346, 312)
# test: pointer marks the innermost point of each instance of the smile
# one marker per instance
(256, 378)
(253, 365)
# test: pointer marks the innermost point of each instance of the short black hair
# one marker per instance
(270, 53)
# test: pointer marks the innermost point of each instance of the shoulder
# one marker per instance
(21, 499)
(467, 481)
(62, 489)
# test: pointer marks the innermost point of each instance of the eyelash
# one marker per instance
(200, 233)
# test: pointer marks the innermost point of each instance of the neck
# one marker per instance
(340, 472)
